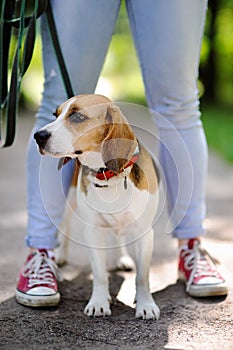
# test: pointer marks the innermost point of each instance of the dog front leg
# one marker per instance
(146, 307)
(99, 303)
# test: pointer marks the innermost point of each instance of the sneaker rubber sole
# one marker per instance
(205, 290)
(37, 300)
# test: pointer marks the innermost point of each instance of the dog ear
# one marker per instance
(120, 142)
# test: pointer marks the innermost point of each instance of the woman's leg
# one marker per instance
(84, 30)
(167, 35)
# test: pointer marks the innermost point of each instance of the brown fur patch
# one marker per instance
(120, 142)
(144, 174)
(89, 134)
(85, 182)
(75, 173)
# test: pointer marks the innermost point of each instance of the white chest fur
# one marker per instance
(116, 206)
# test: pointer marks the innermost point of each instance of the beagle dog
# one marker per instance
(117, 190)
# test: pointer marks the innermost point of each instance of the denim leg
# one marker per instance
(47, 189)
(167, 36)
(84, 29)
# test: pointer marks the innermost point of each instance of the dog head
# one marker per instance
(92, 128)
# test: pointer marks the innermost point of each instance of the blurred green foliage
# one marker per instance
(216, 64)
(32, 83)
(218, 125)
(223, 44)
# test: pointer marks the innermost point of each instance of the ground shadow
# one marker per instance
(66, 326)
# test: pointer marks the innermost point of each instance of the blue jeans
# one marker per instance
(167, 36)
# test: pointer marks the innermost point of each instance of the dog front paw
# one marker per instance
(148, 312)
(147, 309)
(97, 308)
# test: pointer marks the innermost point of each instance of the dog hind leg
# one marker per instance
(123, 261)
(62, 251)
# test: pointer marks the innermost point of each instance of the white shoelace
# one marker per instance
(199, 262)
(40, 269)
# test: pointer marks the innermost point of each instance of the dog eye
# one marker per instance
(77, 117)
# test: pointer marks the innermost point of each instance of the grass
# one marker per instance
(218, 125)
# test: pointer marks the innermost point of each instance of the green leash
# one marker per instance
(22, 29)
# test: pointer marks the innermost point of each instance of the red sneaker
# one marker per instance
(37, 285)
(198, 270)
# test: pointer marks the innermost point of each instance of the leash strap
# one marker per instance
(24, 36)
(57, 47)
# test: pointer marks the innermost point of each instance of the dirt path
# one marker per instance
(185, 323)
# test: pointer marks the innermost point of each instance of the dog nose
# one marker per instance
(42, 137)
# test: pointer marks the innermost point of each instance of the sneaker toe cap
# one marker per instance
(209, 280)
(41, 291)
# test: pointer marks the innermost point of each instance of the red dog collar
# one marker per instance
(106, 174)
